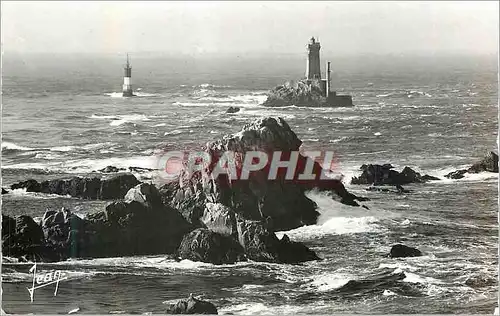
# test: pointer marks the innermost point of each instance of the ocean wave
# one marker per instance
(89, 165)
(12, 146)
(334, 219)
(122, 119)
(328, 281)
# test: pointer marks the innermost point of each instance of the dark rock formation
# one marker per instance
(110, 169)
(65, 232)
(459, 174)
(192, 306)
(140, 169)
(233, 109)
(260, 244)
(88, 188)
(402, 251)
(220, 219)
(399, 189)
(140, 225)
(384, 175)
(207, 246)
(23, 238)
(300, 93)
(281, 200)
(4, 191)
(488, 164)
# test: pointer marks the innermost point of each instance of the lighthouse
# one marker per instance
(313, 70)
(127, 84)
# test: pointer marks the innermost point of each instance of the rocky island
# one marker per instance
(313, 91)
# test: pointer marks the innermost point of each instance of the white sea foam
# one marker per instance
(329, 281)
(335, 219)
(261, 309)
(12, 146)
(174, 132)
(122, 119)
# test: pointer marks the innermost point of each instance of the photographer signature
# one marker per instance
(45, 279)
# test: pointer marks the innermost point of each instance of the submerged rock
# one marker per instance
(192, 306)
(233, 109)
(402, 251)
(87, 188)
(459, 174)
(385, 175)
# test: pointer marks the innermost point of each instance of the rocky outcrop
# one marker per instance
(281, 202)
(23, 238)
(402, 251)
(139, 225)
(110, 169)
(233, 109)
(207, 246)
(398, 189)
(220, 219)
(260, 244)
(192, 306)
(301, 93)
(488, 164)
(4, 191)
(87, 188)
(385, 175)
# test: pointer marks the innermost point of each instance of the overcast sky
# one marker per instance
(250, 27)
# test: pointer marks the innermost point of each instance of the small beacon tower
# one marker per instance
(127, 85)
(313, 70)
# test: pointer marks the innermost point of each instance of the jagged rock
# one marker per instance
(23, 238)
(262, 245)
(220, 219)
(207, 246)
(384, 175)
(110, 169)
(488, 163)
(4, 191)
(88, 188)
(300, 93)
(402, 251)
(459, 174)
(135, 228)
(65, 232)
(140, 169)
(118, 186)
(282, 200)
(146, 194)
(30, 185)
(192, 306)
(399, 189)
(233, 109)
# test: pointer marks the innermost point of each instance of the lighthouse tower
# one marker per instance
(313, 70)
(127, 85)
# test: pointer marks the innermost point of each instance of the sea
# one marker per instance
(63, 115)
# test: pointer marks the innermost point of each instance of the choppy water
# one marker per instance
(64, 117)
